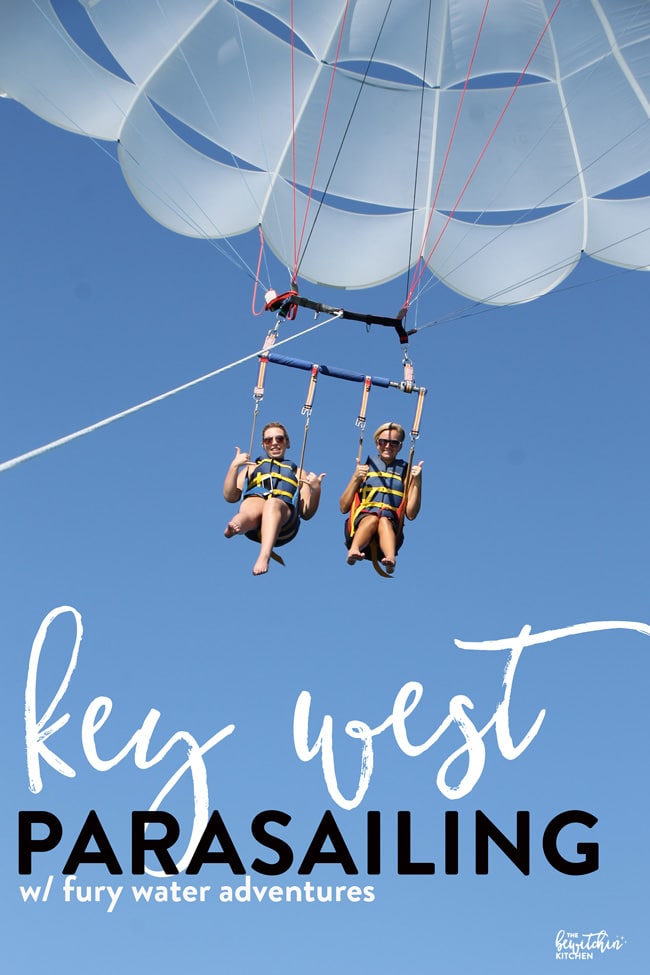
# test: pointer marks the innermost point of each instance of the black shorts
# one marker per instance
(288, 531)
(399, 541)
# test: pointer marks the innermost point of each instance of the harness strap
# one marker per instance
(376, 564)
(258, 391)
(361, 419)
(306, 411)
(415, 433)
(368, 501)
(401, 511)
(278, 478)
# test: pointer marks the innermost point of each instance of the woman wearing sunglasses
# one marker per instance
(377, 499)
(276, 495)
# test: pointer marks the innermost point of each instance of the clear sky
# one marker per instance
(536, 480)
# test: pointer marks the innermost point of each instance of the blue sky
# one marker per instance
(536, 479)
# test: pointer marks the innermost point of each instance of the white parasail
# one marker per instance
(495, 140)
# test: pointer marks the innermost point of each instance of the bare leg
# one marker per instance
(364, 533)
(274, 514)
(387, 541)
(248, 517)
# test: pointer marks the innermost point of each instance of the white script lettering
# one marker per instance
(406, 701)
(37, 731)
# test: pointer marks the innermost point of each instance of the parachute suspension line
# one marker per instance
(477, 307)
(178, 49)
(417, 154)
(293, 141)
(480, 308)
(61, 441)
(306, 412)
(298, 246)
(418, 272)
(222, 244)
(284, 311)
(344, 136)
(481, 154)
(260, 256)
(258, 392)
(407, 385)
(415, 433)
(231, 254)
(540, 202)
(254, 102)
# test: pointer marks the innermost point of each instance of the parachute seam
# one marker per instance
(206, 102)
(419, 275)
(506, 229)
(175, 47)
(572, 140)
(320, 142)
(417, 152)
(293, 138)
(254, 102)
(345, 133)
(275, 173)
(75, 50)
(237, 260)
(220, 241)
(59, 29)
(549, 269)
(436, 116)
(620, 59)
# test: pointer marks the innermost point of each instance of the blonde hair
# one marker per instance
(280, 426)
(397, 427)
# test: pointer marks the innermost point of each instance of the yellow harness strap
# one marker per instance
(374, 554)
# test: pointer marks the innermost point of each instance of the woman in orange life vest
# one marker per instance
(379, 487)
(276, 495)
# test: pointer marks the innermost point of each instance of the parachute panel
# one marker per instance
(508, 264)
(180, 187)
(619, 232)
(144, 34)
(42, 67)
(350, 250)
(609, 110)
(231, 82)
(364, 168)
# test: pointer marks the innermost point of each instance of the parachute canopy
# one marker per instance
(495, 140)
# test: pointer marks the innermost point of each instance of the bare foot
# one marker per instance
(354, 557)
(261, 566)
(232, 528)
(388, 564)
